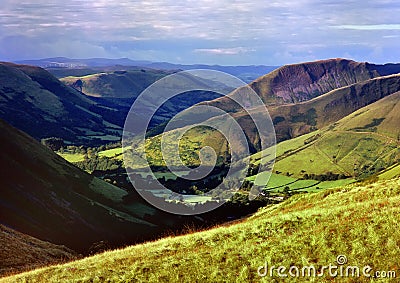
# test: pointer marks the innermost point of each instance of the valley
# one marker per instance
(70, 189)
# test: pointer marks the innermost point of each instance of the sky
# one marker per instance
(202, 31)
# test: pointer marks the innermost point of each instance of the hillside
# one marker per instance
(363, 144)
(302, 82)
(117, 84)
(315, 112)
(21, 252)
(360, 145)
(34, 101)
(119, 89)
(351, 226)
(46, 197)
(293, 120)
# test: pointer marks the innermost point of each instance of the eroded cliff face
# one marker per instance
(302, 82)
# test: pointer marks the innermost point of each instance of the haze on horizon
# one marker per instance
(202, 31)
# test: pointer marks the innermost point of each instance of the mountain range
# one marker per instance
(246, 73)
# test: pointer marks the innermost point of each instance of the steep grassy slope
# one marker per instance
(20, 252)
(360, 222)
(46, 197)
(296, 119)
(359, 145)
(34, 101)
(391, 172)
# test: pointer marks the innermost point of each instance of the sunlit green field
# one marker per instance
(115, 153)
(72, 157)
(280, 183)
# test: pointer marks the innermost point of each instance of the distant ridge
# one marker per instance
(247, 73)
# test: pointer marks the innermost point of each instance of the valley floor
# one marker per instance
(355, 228)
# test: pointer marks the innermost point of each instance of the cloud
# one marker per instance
(369, 27)
(246, 31)
(224, 51)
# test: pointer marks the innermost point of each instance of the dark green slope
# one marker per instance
(46, 197)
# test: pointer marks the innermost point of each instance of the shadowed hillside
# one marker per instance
(119, 89)
(46, 197)
(20, 252)
(34, 101)
(117, 84)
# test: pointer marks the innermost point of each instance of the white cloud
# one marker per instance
(369, 27)
(200, 29)
(224, 51)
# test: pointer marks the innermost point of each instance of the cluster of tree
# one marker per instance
(253, 170)
(246, 185)
(308, 117)
(364, 171)
(78, 84)
(96, 162)
(53, 143)
(329, 176)
(110, 146)
(186, 186)
(90, 151)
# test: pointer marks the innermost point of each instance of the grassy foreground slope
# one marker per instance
(358, 221)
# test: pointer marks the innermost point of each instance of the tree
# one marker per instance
(53, 143)
(78, 85)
